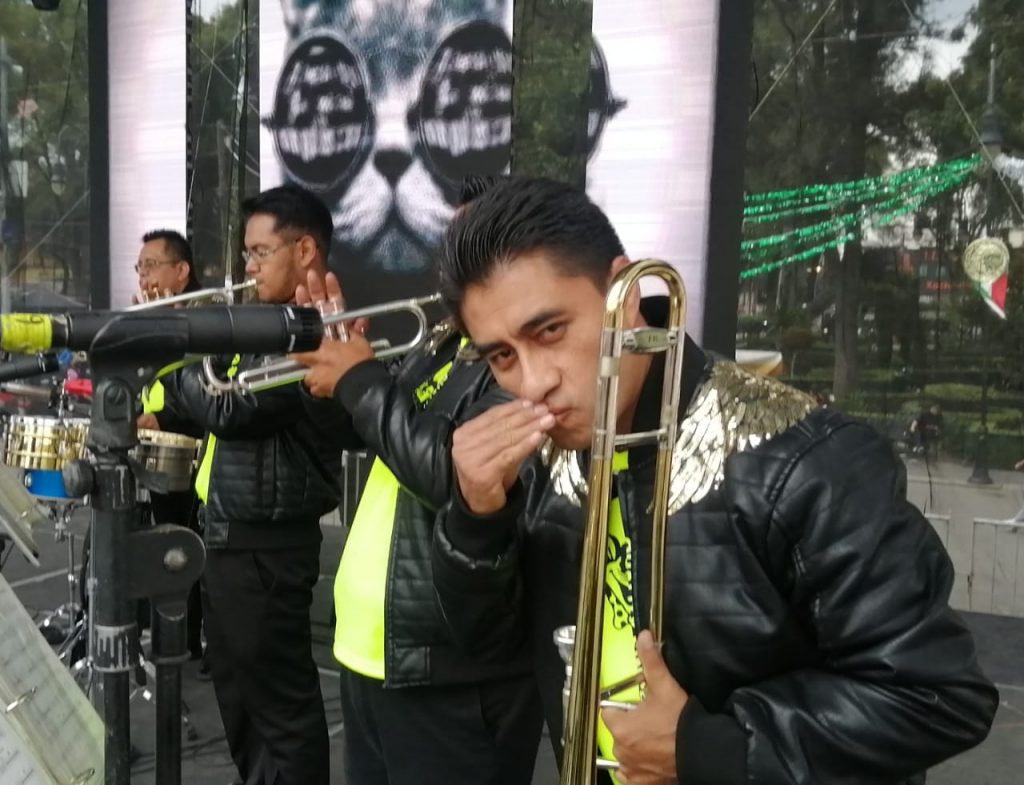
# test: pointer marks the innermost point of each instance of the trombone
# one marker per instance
(224, 295)
(580, 645)
(282, 370)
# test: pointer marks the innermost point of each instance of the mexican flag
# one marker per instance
(994, 294)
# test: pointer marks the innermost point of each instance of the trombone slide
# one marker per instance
(581, 645)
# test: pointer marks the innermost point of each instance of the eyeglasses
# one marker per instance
(260, 255)
(149, 265)
(461, 121)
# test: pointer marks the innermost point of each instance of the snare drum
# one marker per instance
(170, 454)
(42, 446)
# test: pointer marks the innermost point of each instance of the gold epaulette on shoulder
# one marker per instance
(733, 410)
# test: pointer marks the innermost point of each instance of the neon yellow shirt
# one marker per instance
(360, 585)
(618, 642)
(206, 466)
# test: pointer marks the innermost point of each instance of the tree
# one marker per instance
(48, 131)
(832, 117)
(551, 76)
(217, 55)
(945, 117)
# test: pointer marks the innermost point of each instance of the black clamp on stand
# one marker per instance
(131, 562)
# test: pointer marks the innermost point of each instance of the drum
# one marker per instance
(169, 454)
(42, 446)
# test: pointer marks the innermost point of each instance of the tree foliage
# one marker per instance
(551, 70)
(48, 130)
(846, 90)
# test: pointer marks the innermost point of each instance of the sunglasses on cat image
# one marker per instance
(324, 124)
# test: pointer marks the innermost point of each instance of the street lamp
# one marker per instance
(992, 140)
(990, 133)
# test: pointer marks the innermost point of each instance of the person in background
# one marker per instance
(268, 473)
(165, 266)
(417, 710)
(927, 429)
(1019, 517)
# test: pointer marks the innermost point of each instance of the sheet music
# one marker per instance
(18, 766)
(53, 718)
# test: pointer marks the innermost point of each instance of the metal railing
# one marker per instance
(355, 465)
(994, 583)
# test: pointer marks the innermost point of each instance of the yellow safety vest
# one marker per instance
(206, 465)
(618, 643)
(153, 398)
(360, 585)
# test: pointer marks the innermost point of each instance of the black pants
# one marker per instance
(259, 648)
(484, 734)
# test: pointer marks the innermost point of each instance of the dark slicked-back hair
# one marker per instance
(179, 249)
(518, 215)
(474, 186)
(295, 208)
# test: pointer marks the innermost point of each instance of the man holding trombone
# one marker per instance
(807, 636)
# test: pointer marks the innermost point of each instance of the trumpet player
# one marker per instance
(165, 266)
(267, 475)
(417, 709)
(807, 634)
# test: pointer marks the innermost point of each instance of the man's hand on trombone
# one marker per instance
(645, 738)
(339, 352)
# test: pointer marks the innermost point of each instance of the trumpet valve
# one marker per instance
(332, 332)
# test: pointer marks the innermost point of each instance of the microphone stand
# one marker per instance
(131, 561)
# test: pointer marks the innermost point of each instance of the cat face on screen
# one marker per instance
(383, 106)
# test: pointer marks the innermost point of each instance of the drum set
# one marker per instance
(36, 449)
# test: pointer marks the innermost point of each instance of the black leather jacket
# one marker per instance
(276, 463)
(807, 606)
(406, 418)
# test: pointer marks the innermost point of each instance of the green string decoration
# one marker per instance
(913, 191)
(833, 191)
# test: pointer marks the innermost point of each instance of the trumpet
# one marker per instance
(280, 371)
(224, 295)
(580, 646)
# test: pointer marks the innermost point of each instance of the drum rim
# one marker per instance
(151, 438)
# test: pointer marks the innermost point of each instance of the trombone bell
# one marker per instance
(581, 645)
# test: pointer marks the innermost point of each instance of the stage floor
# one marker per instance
(998, 761)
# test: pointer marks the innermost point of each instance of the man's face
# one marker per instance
(159, 270)
(540, 330)
(277, 260)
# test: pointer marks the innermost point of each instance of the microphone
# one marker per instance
(223, 329)
(25, 367)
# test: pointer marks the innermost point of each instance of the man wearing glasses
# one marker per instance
(165, 267)
(267, 475)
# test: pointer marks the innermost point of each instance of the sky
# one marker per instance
(207, 8)
(943, 55)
